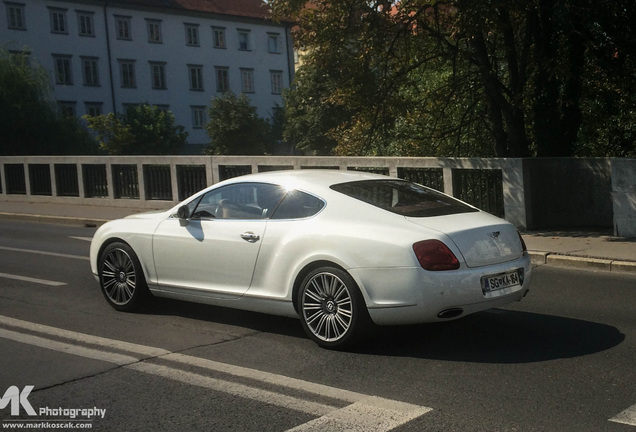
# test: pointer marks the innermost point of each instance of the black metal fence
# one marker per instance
(125, 181)
(480, 187)
(15, 179)
(229, 171)
(66, 180)
(95, 181)
(431, 177)
(190, 180)
(158, 182)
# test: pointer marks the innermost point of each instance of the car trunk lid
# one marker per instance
(481, 238)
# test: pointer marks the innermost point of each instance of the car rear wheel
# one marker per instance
(332, 309)
(121, 278)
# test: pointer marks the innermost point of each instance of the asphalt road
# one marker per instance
(563, 359)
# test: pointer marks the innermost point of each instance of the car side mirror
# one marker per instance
(183, 212)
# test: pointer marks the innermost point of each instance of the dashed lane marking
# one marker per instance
(55, 254)
(32, 280)
(627, 417)
(81, 238)
(348, 411)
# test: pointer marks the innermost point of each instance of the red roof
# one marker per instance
(241, 8)
(244, 8)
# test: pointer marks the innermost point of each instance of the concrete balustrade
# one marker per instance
(535, 193)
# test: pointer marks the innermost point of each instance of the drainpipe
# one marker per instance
(290, 56)
(110, 61)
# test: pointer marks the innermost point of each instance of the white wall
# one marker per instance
(42, 43)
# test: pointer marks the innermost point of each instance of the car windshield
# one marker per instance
(403, 198)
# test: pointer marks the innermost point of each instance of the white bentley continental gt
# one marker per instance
(341, 250)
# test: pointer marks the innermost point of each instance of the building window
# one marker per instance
(222, 79)
(199, 117)
(219, 37)
(58, 21)
(127, 73)
(196, 77)
(85, 23)
(128, 107)
(192, 34)
(15, 16)
(154, 31)
(244, 40)
(94, 108)
(90, 71)
(63, 71)
(123, 27)
(247, 80)
(158, 75)
(277, 81)
(273, 44)
(67, 108)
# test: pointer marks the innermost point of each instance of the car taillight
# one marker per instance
(434, 255)
(523, 244)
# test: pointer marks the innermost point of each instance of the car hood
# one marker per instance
(155, 214)
(482, 238)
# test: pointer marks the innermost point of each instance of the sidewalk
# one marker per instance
(576, 249)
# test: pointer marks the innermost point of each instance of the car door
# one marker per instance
(216, 248)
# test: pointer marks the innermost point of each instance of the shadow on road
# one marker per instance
(497, 336)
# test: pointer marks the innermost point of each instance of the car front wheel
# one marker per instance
(332, 309)
(121, 278)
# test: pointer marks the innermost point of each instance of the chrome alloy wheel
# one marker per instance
(327, 307)
(119, 278)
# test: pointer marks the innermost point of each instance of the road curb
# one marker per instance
(64, 220)
(589, 263)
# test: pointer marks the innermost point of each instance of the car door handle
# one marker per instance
(250, 237)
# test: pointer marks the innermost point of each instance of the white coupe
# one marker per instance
(340, 249)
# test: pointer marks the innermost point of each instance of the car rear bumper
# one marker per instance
(414, 295)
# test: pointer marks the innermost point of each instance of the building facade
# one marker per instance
(106, 56)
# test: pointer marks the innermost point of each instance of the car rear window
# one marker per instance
(403, 197)
(298, 205)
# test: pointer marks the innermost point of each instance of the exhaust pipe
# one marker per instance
(450, 313)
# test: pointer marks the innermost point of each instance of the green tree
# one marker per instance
(235, 128)
(144, 130)
(29, 119)
(437, 77)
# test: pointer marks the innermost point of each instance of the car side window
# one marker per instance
(298, 205)
(239, 201)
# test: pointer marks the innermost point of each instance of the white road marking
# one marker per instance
(361, 412)
(81, 238)
(241, 390)
(627, 417)
(144, 351)
(67, 348)
(61, 255)
(269, 378)
(370, 414)
(32, 280)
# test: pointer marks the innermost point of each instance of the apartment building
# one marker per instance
(105, 56)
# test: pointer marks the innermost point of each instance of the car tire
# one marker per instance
(332, 310)
(121, 278)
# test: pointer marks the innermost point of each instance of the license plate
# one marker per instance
(501, 281)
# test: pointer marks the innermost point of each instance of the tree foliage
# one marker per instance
(235, 128)
(29, 119)
(436, 77)
(144, 130)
